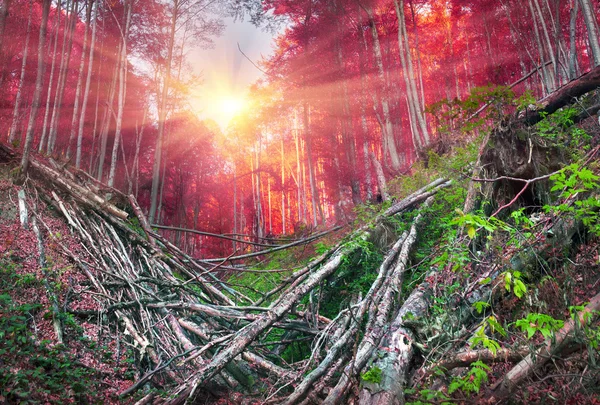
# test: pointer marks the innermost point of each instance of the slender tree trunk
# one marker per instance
(548, 44)
(162, 115)
(122, 94)
(573, 39)
(347, 130)
(4, 7)
(591, 24)
(418, 52)
(283, 222)
(62, 76)
(37, 95)
(545, 74)
(388, 134)
(16, 116)
(108, 117)
(409, 75)
(298, 169)
(75, 118)
(49, 96)
(314, 192)
(86, 92)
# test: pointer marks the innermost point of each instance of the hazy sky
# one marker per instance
(226, 72)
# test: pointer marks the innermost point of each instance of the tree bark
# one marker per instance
(591, 24)
(122, 92)
(75, 117)
(162, 116)
(62, 77)
(86, 92)
(49, 96)
(389, 143)
(37, 95)
(16, 116)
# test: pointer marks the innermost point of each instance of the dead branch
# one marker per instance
(553, 347)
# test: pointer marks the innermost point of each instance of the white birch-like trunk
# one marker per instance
(121, 100)
(591, 24)
(49, 96)
(75, 117)
(16, 113)
(37, 94)
(86, 93)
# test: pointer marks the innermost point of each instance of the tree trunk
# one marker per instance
(122, 92)
(108, 117)
(421, 138)
(549, 49)
(16, 116)
(388, 134)
(573, 40)
(314, 192)
(74, 119)
(86, 92)
(4, 7)
(590, 22)
(382, 184)
(62, 77)
(37, 95)
(49, 96)
(162, 116)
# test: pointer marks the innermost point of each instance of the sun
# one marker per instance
(230, 106)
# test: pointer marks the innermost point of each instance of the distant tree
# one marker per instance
(37, 95)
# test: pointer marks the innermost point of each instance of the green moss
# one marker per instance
(372, 376)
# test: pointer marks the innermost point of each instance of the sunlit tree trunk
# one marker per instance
(162, 114)
(86, 92)
(389, 142)
(422, 135)
(283, 222)
(314, 192)
(108, 115)
(53, 63)
(16, 115)
(92, 160)
(591, 24)
(122, 94)
(573, 40)
(75, 117)
(549, 48)
(547, 81)
(298, 169)
(418, 52)
(37, 94)
(62, 77)
(139, 135)
(363, 121)
(347, 130)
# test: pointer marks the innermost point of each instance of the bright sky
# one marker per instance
(226, 72)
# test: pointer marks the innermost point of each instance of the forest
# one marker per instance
(402, 209)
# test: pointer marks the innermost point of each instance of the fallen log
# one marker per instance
(533, 362)
(395, 354)
(466, 358)
(78, 192)
(565, 95)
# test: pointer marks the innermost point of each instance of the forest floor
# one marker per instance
(93, 363)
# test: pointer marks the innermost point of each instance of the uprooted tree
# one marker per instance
(425, 319)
